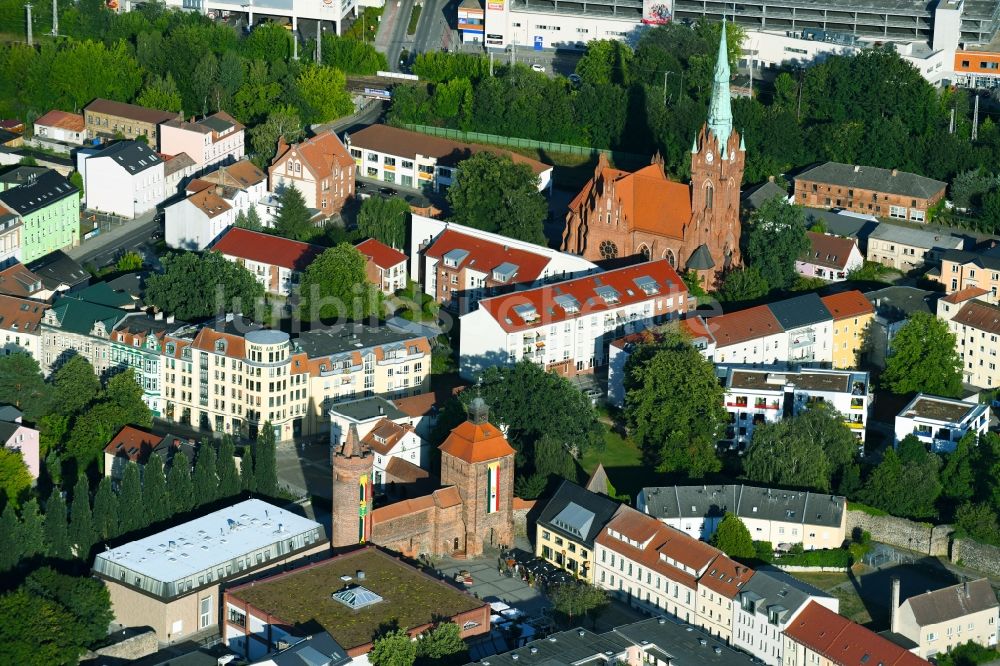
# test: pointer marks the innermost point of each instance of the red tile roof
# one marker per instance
(17, 280)
(485, 255)
(405, 471)
(548, 310)
(63, 120)
(964, 294)
(979, 315)
(20, 315)
(132, 443)
(385, 435)
(474, 443)
(382, 255)
(267, 249)
(726, 576)
(742, 325)
(847, 304)
(697, 328)
(828, 251)
(417, 405)
(843, 642)
(319, 153)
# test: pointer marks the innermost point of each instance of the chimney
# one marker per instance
(770, 179)
(381, 410)
(857, 168)
(170, 319)
(965, 588)
(895, 172)
(158, 316)
(894, 605)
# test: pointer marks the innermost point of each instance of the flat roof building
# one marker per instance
(170, 581)
(941, 422)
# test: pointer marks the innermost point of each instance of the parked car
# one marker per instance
(574, 78)
(538, 68)
(387, 191)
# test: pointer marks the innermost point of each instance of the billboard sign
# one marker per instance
(657, 12)
(378, 93)
(538, 42)
(495, 5)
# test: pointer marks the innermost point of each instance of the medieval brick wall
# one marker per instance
(900, 532)
(432, 531)
(482, 528)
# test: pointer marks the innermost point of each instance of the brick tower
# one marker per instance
(352, 493)
(477, 460)
(717, 158)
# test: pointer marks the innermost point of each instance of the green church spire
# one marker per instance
(720, 110)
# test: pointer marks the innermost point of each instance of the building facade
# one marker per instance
(941, 422)
(853, 315)
(829, 258)
(319, 167)
(385, 267)
(471, 21)
(16, 436)
(74, 326)
(942, 619)
(20, 326)
(566, 327)
(125, 179)
(109, 120)
(137, 343)
(277, 263)
(961, 270)
(905, 249)
(863, 189)
(696, 227)
(566, 528)
(48, 207)
(63, 127)
(215, 139)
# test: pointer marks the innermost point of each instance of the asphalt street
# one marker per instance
(106, 247)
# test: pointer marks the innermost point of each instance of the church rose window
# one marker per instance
(609, 250)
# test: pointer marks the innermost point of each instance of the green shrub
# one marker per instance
(834, 557)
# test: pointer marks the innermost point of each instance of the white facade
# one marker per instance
(507, 25)
(317, 10)
(764, 350)
(112, 188)
(56, 133)
(941, 422)
(188, 225)
(409, 447)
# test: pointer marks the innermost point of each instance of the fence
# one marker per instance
(518, 142)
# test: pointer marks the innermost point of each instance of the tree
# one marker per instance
(958, 477)
(908, 490)
(334, 286)
(323, 91)
(265, 466)
(106, 514)
(733, 538)
(923, 359)
(968, 654)
(248, 481)
(133, 517)
(74, 385)
(443, 645)
(86, 599)
(393, 648)
(10, 539)
(229, 480)
(606, 61)
(352, 56)
(179, 484)
(282, 122)
(36, 632)
(979, 521)
(15, 479)
(91, 432)
(155, 500)
(493, 193)
(81, 524)
(129, 261)
(531, 486)
(205, 480)
(194, 286)
(674, 405)
(56, 528)
(22, 385)
(744, 284)
(161, 93)
(293, 219)
(32, 529)
(551, 457)
(576, 599)
(384, 220)
(775, 240)
(269, 42)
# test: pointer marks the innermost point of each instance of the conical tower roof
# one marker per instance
(352, 445)
(720, 110)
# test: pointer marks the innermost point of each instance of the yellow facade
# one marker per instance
(565, 553)
(848, 338)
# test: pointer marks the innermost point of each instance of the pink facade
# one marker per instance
(19, 437)
(215, 139)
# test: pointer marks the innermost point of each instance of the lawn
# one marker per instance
(623, 463)
(851, 605)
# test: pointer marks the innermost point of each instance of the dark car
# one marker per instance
(360, 185)
(387, 191)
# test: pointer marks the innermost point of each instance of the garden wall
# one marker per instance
(921, 537)
(975, 555)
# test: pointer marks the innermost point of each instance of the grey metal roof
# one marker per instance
(761, 194)
(681, 642)
(915, 237)
(988, 259)
(216, 123)
(701, 259)
(57, 269)
(902, 183)
(368, 408)
(952, 603)
(800, 311)
(38, 192)
(506, 269)
(133, 156)
(7, 431)
(319, 649)
(771, 587)
(563, 649)
(349, 337)
(838, 224)
(10, 413)
(897, 303)
(576, 524)
(713, 501)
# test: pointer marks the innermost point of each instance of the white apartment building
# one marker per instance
(766, 395)
(904, 249)
(420, 161)
(20, 325)
(124, 179)
(525, 26)
(290, 11)
(277, 263)
(213, 203)
(648, 565)
(942, 619)
(459, 265)
(765, 606)
(941, 422)
(565, 327)
(215, 139)
(976, 326)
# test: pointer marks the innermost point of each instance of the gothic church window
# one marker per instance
(608, 250)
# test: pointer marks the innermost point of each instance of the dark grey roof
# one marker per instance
(989, 259)
(713, 501)
(319, 649)
(564, 648)
(846, 225)
(133, 156)
(761, 194)
(133, 284)
(873, 178)
(800, 311)
(10, 413)
(915, 237)
(577, 513)
(681, 642)
(21, 174)
(899, 639)
(44, 190)
(770, 586)
(7, 431)
(340, 339)
(216, 123)
(57, 269)
(952, 603)
(368, 408)
(598, 481)
(701, 259)
(898, 303)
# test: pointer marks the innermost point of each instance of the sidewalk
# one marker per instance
(145, 224)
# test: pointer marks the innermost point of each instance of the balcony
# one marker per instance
(855, 425)
(802, 341)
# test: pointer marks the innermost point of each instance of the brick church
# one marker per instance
(472, 509)
(694, 227)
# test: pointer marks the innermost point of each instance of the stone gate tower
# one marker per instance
(353, 469)
(477, 459)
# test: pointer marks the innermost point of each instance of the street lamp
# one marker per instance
(680, 89)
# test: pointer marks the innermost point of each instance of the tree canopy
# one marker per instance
(923, 359)
(194, 286)
(334, 286)
(733, 538)
(293, 220)
(775, 240)
(384, 220)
